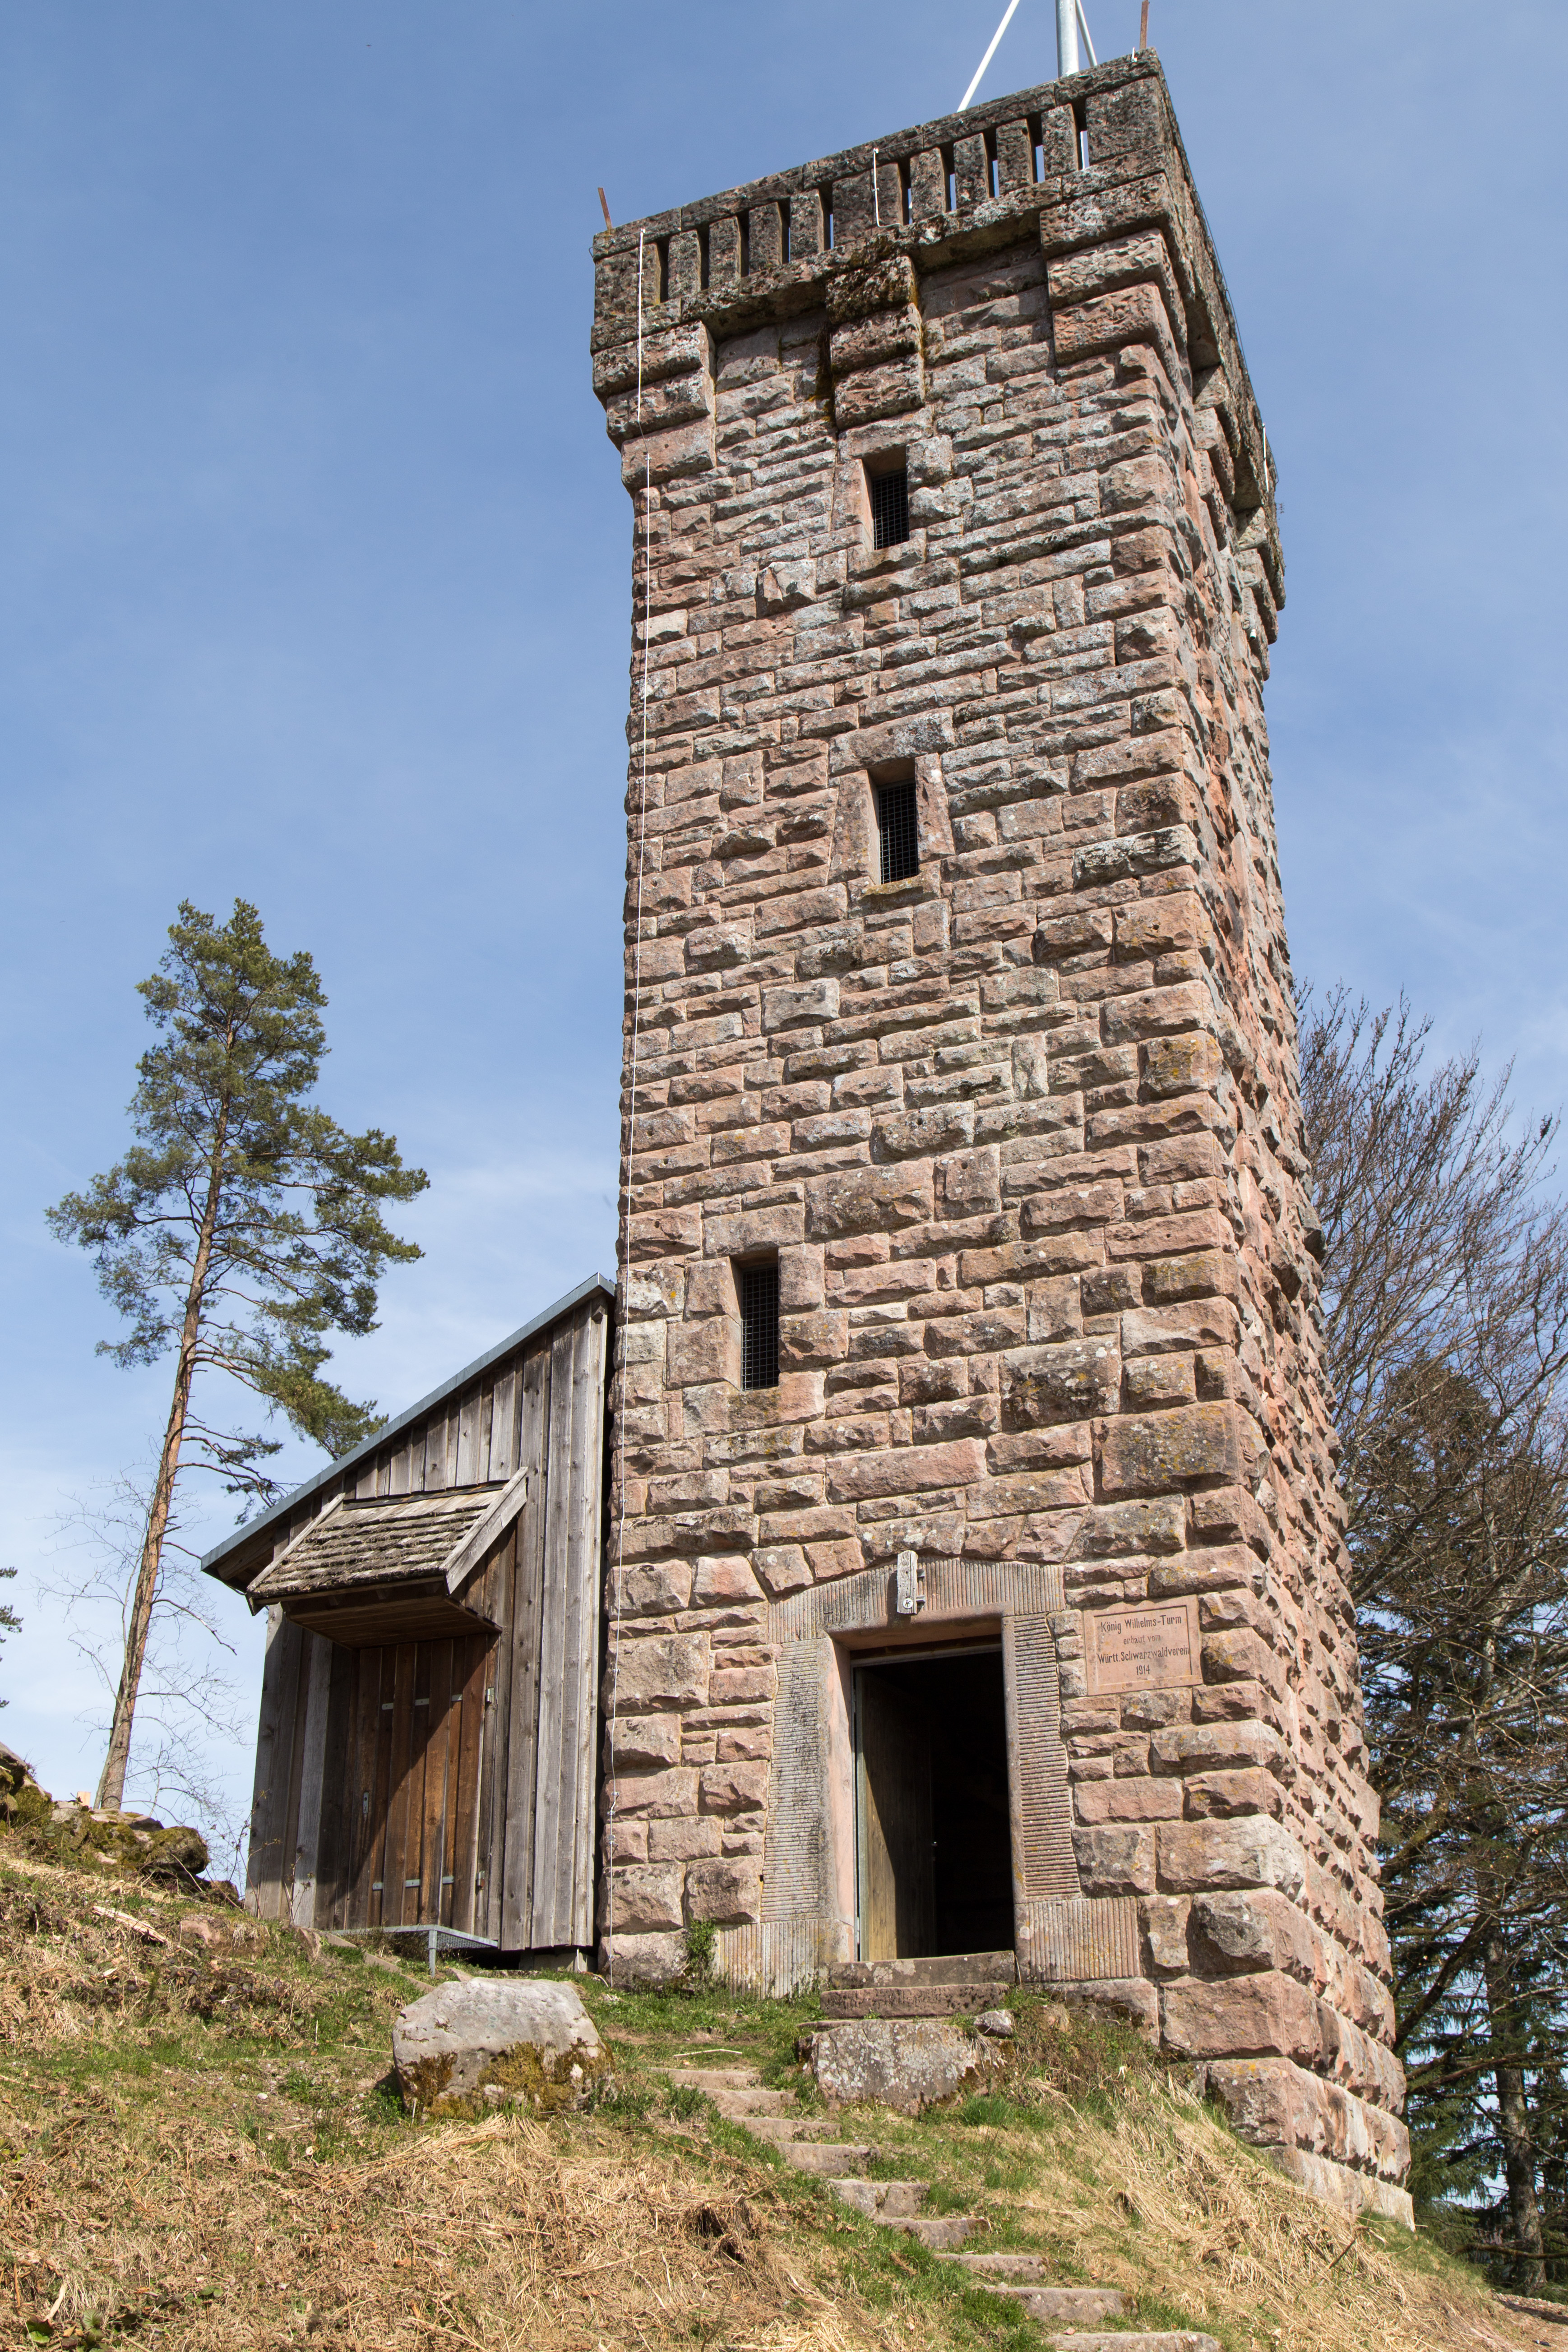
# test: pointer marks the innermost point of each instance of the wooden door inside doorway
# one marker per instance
(934, 1829)
(893, 1806)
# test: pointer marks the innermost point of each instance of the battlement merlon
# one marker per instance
(1096, 158)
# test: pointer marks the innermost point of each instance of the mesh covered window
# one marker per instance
(758, 1291)
(898, 832)
(889, 508)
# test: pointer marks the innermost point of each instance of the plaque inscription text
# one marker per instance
(1151, 1646)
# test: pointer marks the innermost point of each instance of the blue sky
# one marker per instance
(315, 587)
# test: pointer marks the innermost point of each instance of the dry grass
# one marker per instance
(486, 2235)
(142, 2197)
(1096, 2155)
(1165, 2203)
(80, 1974)
(1162, 2201)
(201, 2149)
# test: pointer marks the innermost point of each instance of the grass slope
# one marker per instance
(202, 2146)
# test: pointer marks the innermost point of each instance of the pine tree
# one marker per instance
(241, 1229)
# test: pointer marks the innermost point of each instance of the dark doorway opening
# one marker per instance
(934, 1857)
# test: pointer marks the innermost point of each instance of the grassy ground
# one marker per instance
(203, 2147)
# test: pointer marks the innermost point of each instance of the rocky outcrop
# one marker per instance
(126, 1841)
(137, 1841)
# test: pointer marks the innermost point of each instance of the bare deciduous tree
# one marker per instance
(1444, 1307)
(9, 1620)
(189, 1704)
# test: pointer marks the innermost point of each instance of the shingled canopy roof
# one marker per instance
(237, 1558)
(391, 1569)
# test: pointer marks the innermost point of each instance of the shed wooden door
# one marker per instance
(400, 1786)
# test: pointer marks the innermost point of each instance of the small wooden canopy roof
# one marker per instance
(441, 1451)
(390, 1569)
(380, 1546)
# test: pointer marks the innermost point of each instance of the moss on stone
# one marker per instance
(519, 2077)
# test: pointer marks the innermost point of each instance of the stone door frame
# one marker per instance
(810, 1913)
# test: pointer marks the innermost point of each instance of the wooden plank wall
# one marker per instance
(265, 1872)
(547, 1878)
(454, 1781)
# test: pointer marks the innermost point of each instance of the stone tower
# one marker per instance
(980, 1567)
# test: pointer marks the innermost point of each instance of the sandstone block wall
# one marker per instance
(1023, 1131)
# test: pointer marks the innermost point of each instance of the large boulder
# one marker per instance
(908, 2062)
(489, 2041)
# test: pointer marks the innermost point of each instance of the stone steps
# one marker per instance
(883, 2201)
(739, 2093)
(839, 2004)
(1025, 2280)
(742, 2097)
(940, 1968)
(946, 1984)
(1053, 2305)
(1171, 2339)
(780, 2128)
(759, 2104)
(896, 2205)
(1028, 2267)
(941, 2231)
(831, 2159)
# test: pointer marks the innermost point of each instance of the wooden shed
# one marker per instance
(428, 1745)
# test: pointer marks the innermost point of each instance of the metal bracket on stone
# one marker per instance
(909, 1584)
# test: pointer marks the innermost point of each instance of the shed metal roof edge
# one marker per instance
(247, 1532)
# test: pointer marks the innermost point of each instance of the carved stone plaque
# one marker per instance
(1153, 1646)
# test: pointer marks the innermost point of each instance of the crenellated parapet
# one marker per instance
(1096, 160)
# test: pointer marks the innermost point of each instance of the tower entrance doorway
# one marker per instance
(933, 1846)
